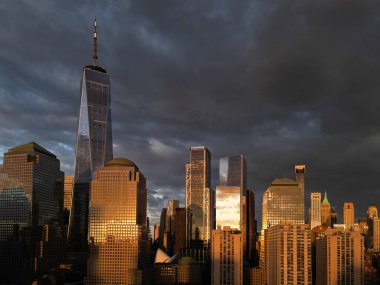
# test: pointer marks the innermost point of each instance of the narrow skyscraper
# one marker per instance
(326, 212)
(349, 215)
(199, 198)
(315, 210)
(94, 144)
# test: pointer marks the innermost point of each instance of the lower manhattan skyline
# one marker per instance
(282, 83)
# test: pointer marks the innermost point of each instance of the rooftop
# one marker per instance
(284, 182)
(120, 162)
(32, 146)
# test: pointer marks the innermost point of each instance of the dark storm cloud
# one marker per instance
(282, 82)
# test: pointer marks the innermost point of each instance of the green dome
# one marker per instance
(120, 162)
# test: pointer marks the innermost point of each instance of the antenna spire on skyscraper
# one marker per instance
(94, 57)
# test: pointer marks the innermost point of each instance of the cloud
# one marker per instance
(283, 82)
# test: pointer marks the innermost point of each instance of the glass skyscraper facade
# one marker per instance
(32, 236)
(228, 207)
(284, 201)
(199, 197)
(118, 232)
(233, 172)
(94, 145)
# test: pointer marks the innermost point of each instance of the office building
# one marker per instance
(251, 229)
(199, 198)
(226, 257)
(326, 212)
(228, 204)
(118, 232)
(179, 232)
(315, 210)
(32, 239)
(93, 145)
(289, 254)
(349, 215)
(284, 201)
(68, 189)
(340, 258)
(333, 217)
(371, 215)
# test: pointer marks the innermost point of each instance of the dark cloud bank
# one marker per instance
(282, 82)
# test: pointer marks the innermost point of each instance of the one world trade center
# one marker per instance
(93, 145)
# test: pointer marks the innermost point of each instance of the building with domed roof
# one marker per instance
(118, 233)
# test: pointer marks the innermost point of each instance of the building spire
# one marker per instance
(325, 200)
(94, 57)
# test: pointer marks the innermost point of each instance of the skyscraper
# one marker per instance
(118, 233)
(288, 254)
(227, 257)
(233, 172)
(94, 144)
(339, 258)
(371, 215)
(376, 234)
(349, 215)
(229, 207)
(325, 212)
(284, 201)
(199, 198)
(315, 210)
(31, 203)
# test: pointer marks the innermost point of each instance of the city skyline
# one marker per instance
(173, 84)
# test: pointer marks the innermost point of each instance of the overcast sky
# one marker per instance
(282, 81)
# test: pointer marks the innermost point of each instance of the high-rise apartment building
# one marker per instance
(315, 210)
(118, 233)
(376, 234)
(93, 146)
(199, 198)
(31, 204)
(340, 258)
(284, 201)
(288, 254)
(349, 215)
(226, 257)
(326, 212)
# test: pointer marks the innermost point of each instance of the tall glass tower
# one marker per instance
(94, 144)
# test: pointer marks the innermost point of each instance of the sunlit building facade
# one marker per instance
(118, 233)
(288, 254)
(315, 210)
(376, 234)
(199, 198)
(349, 215)
(326, 212)
(284, 201)
(227, 257)
(31, 204)
(340, 258)
(68, 190)
(228, 207)
(93, 145)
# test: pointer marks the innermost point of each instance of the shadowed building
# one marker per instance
(199, 198)
(118, 233)
(93, 146)
(31, 203)
(371, 215)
